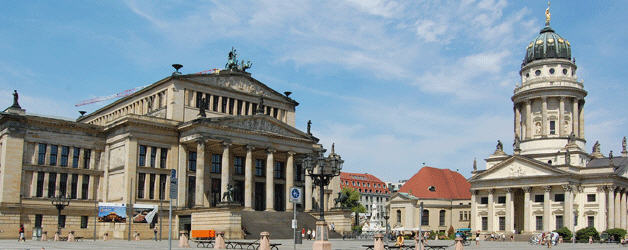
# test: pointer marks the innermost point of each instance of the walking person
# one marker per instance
(309, 234)
(477, 239)
(21, 232)
(155, 233)
(302, 233)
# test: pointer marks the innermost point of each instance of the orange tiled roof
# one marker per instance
(447, 184)
(358, 181)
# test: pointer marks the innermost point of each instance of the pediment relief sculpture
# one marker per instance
(261, 125)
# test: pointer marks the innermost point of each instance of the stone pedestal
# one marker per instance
(264, 242)
(322, 237)
(378, 243)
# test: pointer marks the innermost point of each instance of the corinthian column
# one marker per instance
(509, 211)
(610, 214)
(225, 171)
(568, 216)
(199, 197)
(289, 178)
(622, 211)
(575, 118)
(248, 178)
(491, 211)
(517, 121)
(474, 210)
(270, 185)
(528, 119)
(308, 193)
(546, 208)
(544, 132)
(526, 209)
(561, 117)
(581, 115)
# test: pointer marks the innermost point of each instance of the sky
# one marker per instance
(394, 84)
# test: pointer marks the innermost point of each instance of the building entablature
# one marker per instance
(564, 90)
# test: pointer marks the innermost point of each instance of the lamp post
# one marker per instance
(322, 169)
(60, 202)
(386, 217)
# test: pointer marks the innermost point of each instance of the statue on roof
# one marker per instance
(309, 127)
(260, 107)
(15, 100)
(548, 15)
(517, 144)
(202, 106)
(500, 146)
(475, 165)
(623, 145)
(232, 62)
(596, 147)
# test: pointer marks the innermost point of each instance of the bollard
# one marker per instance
(264, 242)
(220, 241)
(459, 245)
(183, 241)
(379, 242)
(71, 236)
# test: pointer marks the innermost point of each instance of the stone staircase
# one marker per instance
(277, 223)
(522, 237)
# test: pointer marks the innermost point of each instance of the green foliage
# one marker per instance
(357, 229)
(450, 232)
(617, 233)
(353, 202)
(565, 233)
(582, 235)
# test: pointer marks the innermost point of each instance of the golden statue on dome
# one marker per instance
(548, 15)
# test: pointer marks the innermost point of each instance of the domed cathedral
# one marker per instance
(549, 181)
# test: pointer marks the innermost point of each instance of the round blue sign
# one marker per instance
(295, 193)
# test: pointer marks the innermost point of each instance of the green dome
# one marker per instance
(547, 45)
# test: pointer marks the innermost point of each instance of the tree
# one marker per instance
(582, 235)
(352, 202)
(565, 233)
(617, 233)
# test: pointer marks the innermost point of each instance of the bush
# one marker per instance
(565, 233)
(617, 233)
(450, 232)
(582, 235)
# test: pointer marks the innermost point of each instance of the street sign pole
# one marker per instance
(173, 195)
(295, 197)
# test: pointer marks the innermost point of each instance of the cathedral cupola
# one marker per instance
(547, 44)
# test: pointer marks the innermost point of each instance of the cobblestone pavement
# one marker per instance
(286, 244)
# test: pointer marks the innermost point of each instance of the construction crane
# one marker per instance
(109, 97)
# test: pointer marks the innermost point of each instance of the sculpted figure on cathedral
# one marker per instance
(571, 138)
(15, 99)
(500, 146)
(309, 126)
(202, 106)
(517, 143)
(538, 128)
(623, 145)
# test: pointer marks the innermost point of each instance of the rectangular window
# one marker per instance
(216, 163)
(590, 197)
(61, 222)
(224, 104)
(575, 219)
(278, 170)
(151, 187)
(163, 157)
(40, 184)
(65, 151)
(238, 165)
(590, 221)
(559, 197)
(259, 167)
(142, 160)
(52, 180)
(85, 187)
(538, 198)
(87, 158)
(38, 220)
(502, 223)
(231, 102)
(63, 184)
(246, 108)
(275, 112)
(484, 223)
(163, 178)
(140, 185)
(73, 186)
(425, 218)
(559, 221)
(215, 199)
(552, 127)
(192, 161)
(539, 223)
(460, 216)
(41, 156)
(254, 110)
(215, 104)
(484, 200)
(53, 155)
(199, 96)
(239, 107)
(501, 199)
(75, 157)
(84, 220)
(153, 156)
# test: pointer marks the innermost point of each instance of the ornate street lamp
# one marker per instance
(386, 217)
(60, 202)
(322, 169)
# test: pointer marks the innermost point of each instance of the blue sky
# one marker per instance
(394, 83)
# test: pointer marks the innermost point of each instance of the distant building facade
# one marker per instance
(373, 192)
(446, 202)
(395, 186)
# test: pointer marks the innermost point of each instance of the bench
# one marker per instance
(250, 245)
(403, 247)
(436, 247)
(204, 243)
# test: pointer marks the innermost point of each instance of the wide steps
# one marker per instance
(279, 224)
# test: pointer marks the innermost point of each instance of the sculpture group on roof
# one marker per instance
(232, 62)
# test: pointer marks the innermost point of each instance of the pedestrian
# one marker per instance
(21, 234)
(314, 234)
(477, 239)
(309, 234)
(590, 239)
(155, 233)
(303, 233)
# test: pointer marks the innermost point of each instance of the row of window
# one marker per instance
(140, 107)
(538, 222)
(63, 185)
(61, 155)
(238, 165)
(61, 221)
(232, 106)
(359, 184)
(537, 198)
(141, 186)
(163, 156)
(425, 217)
(465, 215)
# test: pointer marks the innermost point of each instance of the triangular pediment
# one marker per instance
(518, 167)
(261, 124)
(398, 196)
(239, 82)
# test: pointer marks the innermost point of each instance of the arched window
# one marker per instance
(398, 216)
(425, 218)
(441, 218)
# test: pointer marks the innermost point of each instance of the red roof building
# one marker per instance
(436, 183)
(364, 183)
